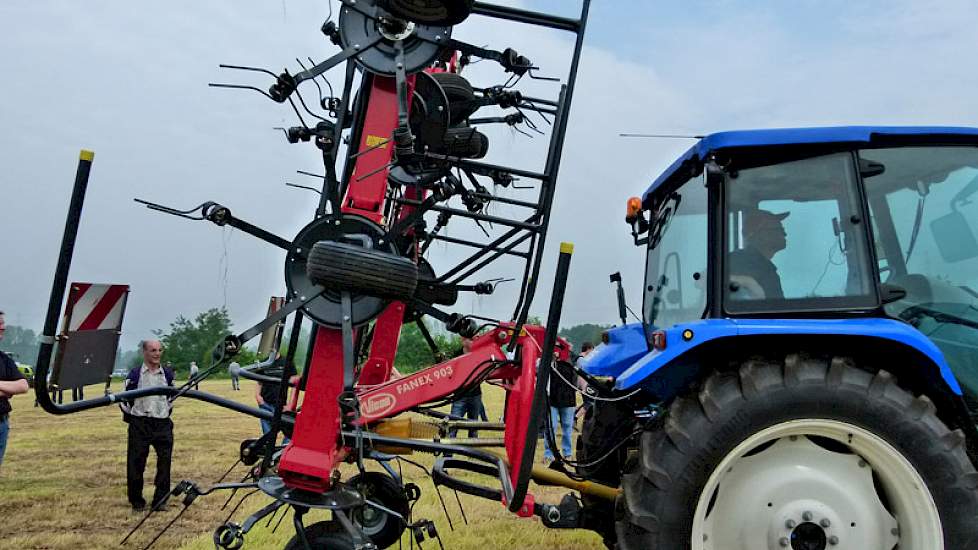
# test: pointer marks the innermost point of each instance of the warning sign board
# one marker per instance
(89, 335)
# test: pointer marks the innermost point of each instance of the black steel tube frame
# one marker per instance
(493, 257)
(60, 284)
(529, 17)
(553, 164)
(471, 215)
(540, 402)
(474, 244)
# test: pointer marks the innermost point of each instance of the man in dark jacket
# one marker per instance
(12, 382)
(563, 402)
(149, 425)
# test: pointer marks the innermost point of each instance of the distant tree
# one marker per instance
(20, 343)
(587, 332)
(188, 340)
(413, 352)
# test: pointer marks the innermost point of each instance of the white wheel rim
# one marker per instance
(763, 500)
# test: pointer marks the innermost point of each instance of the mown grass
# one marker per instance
(63, 485)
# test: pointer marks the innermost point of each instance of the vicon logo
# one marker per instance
(379, 404)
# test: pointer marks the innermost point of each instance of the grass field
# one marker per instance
(63, 485)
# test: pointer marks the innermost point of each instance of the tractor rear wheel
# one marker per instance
(800, 454)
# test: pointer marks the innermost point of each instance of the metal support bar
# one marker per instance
(492, 258)
(479, 253)
(471, 215)
(256, 231)
(543, 376)
(60, 283)
(528, 17)
(473, 244)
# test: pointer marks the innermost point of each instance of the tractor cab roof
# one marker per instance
(691, 161)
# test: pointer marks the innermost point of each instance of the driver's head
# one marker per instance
(764, 231)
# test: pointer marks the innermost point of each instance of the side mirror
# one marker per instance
(954, 238)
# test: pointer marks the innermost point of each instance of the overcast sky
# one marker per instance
(129, 81)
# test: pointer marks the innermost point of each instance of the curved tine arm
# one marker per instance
(173, 211)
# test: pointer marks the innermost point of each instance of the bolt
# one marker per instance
(356, 47)
(336, 222)
(862, 463)
(346, 317)
(807, 516)
(825, 523)
(833, 540)
(895, 532)
(783, 541)
(438, 38)
(302, 297)
(298, 250)
(790, 524)
(400, 65)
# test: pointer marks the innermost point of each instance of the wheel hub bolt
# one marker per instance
(825, 523)
(807, 516)
(783, 542)
(790, 524)
(833, 540)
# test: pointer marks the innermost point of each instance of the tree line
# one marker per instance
(193, 339)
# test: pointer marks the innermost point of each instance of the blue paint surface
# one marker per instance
(646, 366)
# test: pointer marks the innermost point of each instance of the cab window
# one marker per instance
(795, 238)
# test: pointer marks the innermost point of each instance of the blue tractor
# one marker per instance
(808, 354)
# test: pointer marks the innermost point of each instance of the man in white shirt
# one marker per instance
(193, 373)
(149, 425)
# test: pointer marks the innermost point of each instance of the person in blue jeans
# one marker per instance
(469, 406)
(12, 382)
(267, 395)
(563, 404)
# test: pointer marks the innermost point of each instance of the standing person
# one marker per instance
(12, 382)
(586, 348)
(149, 425)
(193, 373)
(233, 371)
(563, 402)
(468, 405)
(267, 395)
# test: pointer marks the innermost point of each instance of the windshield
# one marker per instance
(925, 219)
(675, 284)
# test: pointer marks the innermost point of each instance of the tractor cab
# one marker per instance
(819, 223)
(810, 314)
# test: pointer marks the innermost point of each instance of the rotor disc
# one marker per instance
(363, 22)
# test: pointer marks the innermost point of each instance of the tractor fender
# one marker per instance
(684, 338)
(620, 348)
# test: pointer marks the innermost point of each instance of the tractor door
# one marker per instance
(925, 222)
(795, 239)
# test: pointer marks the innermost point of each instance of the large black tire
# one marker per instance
(465, 143)
(341, 266)
(430, 12)
(383, 529)
(663, 483)
(322, 535)
(461, 98)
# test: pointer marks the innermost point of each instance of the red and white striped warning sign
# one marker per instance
(95, 307)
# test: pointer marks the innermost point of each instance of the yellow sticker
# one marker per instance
(379, 141)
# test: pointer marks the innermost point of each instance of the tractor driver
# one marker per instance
(752, 273)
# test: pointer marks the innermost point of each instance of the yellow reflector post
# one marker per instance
(566, 248)
(87, 155)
